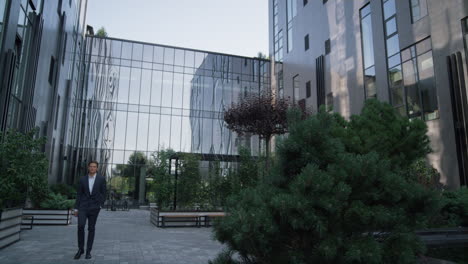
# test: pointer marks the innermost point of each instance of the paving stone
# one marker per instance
(121, 238)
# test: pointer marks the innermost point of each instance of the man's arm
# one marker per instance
(79, 192)
(103, 191)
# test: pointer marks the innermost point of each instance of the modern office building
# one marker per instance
(39, 45)
(410, 53)
(140, 98)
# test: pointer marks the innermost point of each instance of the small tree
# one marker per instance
(23, 169)
(162, 184)
(102, 32)
(260, 114)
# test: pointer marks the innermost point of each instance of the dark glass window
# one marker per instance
(418, 9)
(327, 46)
(291, 11)
(305, 2)
(418, 78)
(308, 91)
(306, 42)
(57, 112)
(51, 70)
(367, 41)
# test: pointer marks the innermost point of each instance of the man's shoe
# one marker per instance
(88, 255)
(78, 254)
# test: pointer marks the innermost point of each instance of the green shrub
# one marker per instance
(23, 169)
(339, 193)
(57, 201)
(453, 210)
(64, 189)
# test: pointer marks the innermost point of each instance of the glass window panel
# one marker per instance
(122, 107)
(186, 95)
(147, 65)
(153, 134)
(176, 111)
(148, 53)
(126, 50)
(423, 46)
(389, 8)
(176, 132)
(145, 94)
(166, 110)
(217, 135)
(418, 9)
(177, 90)
(116, 48)
(137, 64)
(405, 55)
(166, 98)
(158, 54)
(186, 135)
(394, 60)
(127, 63)
(124, 83)
(137, 52)
(133, 108)
(142, 139)
(132, 127)
(199, 58)
(369, 83)
(365, 10)
(189, 58)
(367, 42)
(118, 156)
(179, 69)
(390, 26)
(412, 93)
(179, 57)
(158, 67)
(207, 136)
(169, 56)
(134, 94)
(165, 132)
(120, 128)
(397, 96)
(130, 170)
(395, 75)
(144, 109)
(426, 83)
(393, 45)
(156, 88)
(168, 68)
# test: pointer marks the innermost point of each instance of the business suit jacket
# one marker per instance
(93, 200)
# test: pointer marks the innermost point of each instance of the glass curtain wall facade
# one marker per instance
(141, 97)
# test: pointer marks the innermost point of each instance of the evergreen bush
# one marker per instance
(340, 192)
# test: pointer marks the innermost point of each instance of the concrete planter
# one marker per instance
(10, 226)
(49, 216)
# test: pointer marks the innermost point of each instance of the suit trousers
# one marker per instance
(90, 214)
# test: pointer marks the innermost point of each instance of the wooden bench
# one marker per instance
(188, 218)
(179, 218)
(208, 218)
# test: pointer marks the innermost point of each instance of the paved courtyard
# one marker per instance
(121, 238)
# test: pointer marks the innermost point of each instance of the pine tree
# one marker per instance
(339, 193)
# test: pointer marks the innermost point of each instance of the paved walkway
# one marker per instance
(121, 238)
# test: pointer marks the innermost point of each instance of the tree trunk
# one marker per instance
(267, 152)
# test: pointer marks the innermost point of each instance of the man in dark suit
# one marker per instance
(90, 198)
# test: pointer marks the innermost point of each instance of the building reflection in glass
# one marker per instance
(141, 98)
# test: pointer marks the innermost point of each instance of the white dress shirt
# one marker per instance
(91, 182)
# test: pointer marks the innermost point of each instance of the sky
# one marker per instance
(237, 27)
